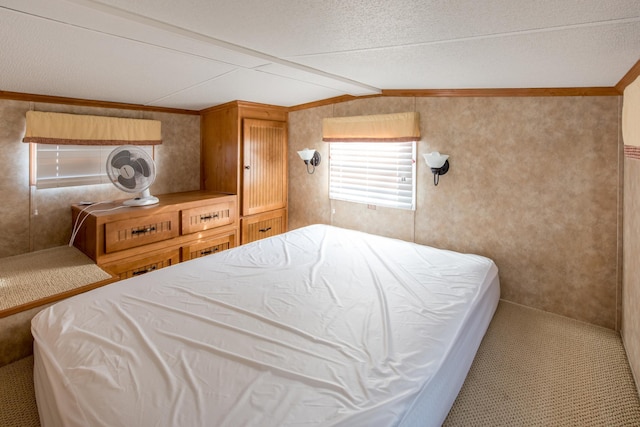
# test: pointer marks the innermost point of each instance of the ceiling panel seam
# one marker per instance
(507, 34)
(176, 30)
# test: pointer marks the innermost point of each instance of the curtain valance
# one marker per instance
(398, 127)
(631, 120)
(75, 129)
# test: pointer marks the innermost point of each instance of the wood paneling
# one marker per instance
(264, 166)
(263, 225)
(244, 151)
(220, 150)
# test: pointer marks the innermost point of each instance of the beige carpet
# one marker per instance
(17, 400)
(36, 275)
(532, 369)
(538, 369)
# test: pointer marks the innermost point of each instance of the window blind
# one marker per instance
(69, 165)
(377, 173)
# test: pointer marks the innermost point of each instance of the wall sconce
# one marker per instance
(310, 157)
(438, 163)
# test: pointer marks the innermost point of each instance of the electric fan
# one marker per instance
(132, 169)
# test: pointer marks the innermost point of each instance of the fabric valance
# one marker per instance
(631, 120)
(75, 129)
(399, 127)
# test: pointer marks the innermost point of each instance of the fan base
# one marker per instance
(141, 201)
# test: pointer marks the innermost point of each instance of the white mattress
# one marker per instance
(319, 326)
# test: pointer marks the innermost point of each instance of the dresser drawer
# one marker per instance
(130, 233)
(141, 265)
(206, 217)
(265, 225)
(202, 248)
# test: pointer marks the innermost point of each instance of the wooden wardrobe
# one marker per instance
(244, 152)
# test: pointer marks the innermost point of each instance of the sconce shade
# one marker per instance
(311, 158)
(435, 160)
(306, 154)
(438, 163)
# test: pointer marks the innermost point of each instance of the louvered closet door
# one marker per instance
(264, 187)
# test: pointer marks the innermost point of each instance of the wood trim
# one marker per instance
(246, 105)
(329, 101)
(17, 96)
(628, 78)
(505, 92)
(498, 92)
(57, 297)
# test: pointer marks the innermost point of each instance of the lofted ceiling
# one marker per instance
(194, 54)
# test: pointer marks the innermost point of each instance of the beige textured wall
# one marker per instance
(631, 285)
(533, 185)
(37, 219)
(631, 239)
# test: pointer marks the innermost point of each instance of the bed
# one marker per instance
(320, 326)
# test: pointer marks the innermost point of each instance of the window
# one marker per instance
(68, 165)
(376, 173)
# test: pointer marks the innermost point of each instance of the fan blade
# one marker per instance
(129, 183)
(141, 166)
(120, 159)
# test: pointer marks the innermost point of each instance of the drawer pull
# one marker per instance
(140, 272)
(143, 230)
(210, 216)
(264, 230)
(208, 251)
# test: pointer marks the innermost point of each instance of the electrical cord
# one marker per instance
(76, 226)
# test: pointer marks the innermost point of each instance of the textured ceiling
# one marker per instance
(193, 54)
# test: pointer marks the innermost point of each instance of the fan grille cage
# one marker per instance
(131, 169)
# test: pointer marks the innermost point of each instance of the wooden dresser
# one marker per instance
(129, 241)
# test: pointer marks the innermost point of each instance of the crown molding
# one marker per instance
(628, 78)
(18, 96)
(452, 93)
(505, 92)
(245, 105)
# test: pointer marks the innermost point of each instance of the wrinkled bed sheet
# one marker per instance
(319, 326)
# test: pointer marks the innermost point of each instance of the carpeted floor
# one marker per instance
(532, 369)
(36, 275)
(539, 369)
(17, 400)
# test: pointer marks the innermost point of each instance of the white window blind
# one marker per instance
(69, 165)
(377, 173)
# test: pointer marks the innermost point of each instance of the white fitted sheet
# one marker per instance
(319, 326)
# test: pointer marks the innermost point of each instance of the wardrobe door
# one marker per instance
(264, 186)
